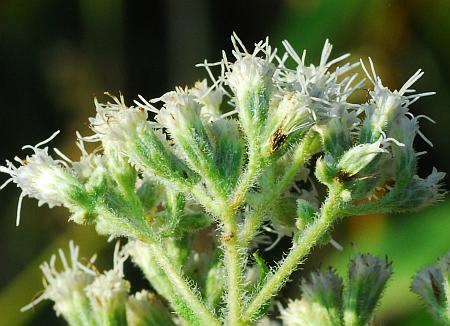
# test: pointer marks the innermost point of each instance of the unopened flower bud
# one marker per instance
(432, 285)
(305, 213)
(420, 193)
(325, 288)
(336, 131)
(358, 157)
(367, 279)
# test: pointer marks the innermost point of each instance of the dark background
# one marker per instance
(55, 56)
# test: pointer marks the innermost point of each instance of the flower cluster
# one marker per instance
(240, 155)
(326, 302)
(85, 297)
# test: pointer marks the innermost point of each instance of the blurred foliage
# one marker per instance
(55, 56)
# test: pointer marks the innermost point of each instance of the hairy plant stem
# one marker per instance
(186, 294)
(248, 178)
(234, 269)
(310, 236)
(233, 260)
(306, 148)
(182, 287)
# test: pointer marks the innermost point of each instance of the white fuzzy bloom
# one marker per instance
(65, 288)
(109, 291)
(180, 112)
(209, 98)
(321, 84)
(41, 177)
(116, 124)
(250, 71)
(387, 106)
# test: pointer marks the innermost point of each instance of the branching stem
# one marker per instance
(182, 287)
(247, 179)
(179, 283)
(307, 147)
(311, 235)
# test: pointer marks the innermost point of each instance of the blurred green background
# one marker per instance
(55, 56)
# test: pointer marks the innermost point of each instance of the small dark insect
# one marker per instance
(277, 140)
(343, 177)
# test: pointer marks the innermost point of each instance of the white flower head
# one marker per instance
(65, 288)
(209, 98)
(40, 176)
(180, 112)
(116, 124)
(109, 291)
(386, 106)
(249, 72)
(321, 84)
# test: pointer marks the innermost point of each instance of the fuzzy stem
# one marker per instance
(307, 147)
(233, 264)
(190, 298)
(233, 261)
(204, 199)
(311, 235)
(247, 179)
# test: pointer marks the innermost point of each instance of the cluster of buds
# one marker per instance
(236, 154)
(325, 301)
(372, 154)
(367, 149)
(83, 296)
(432, 285)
